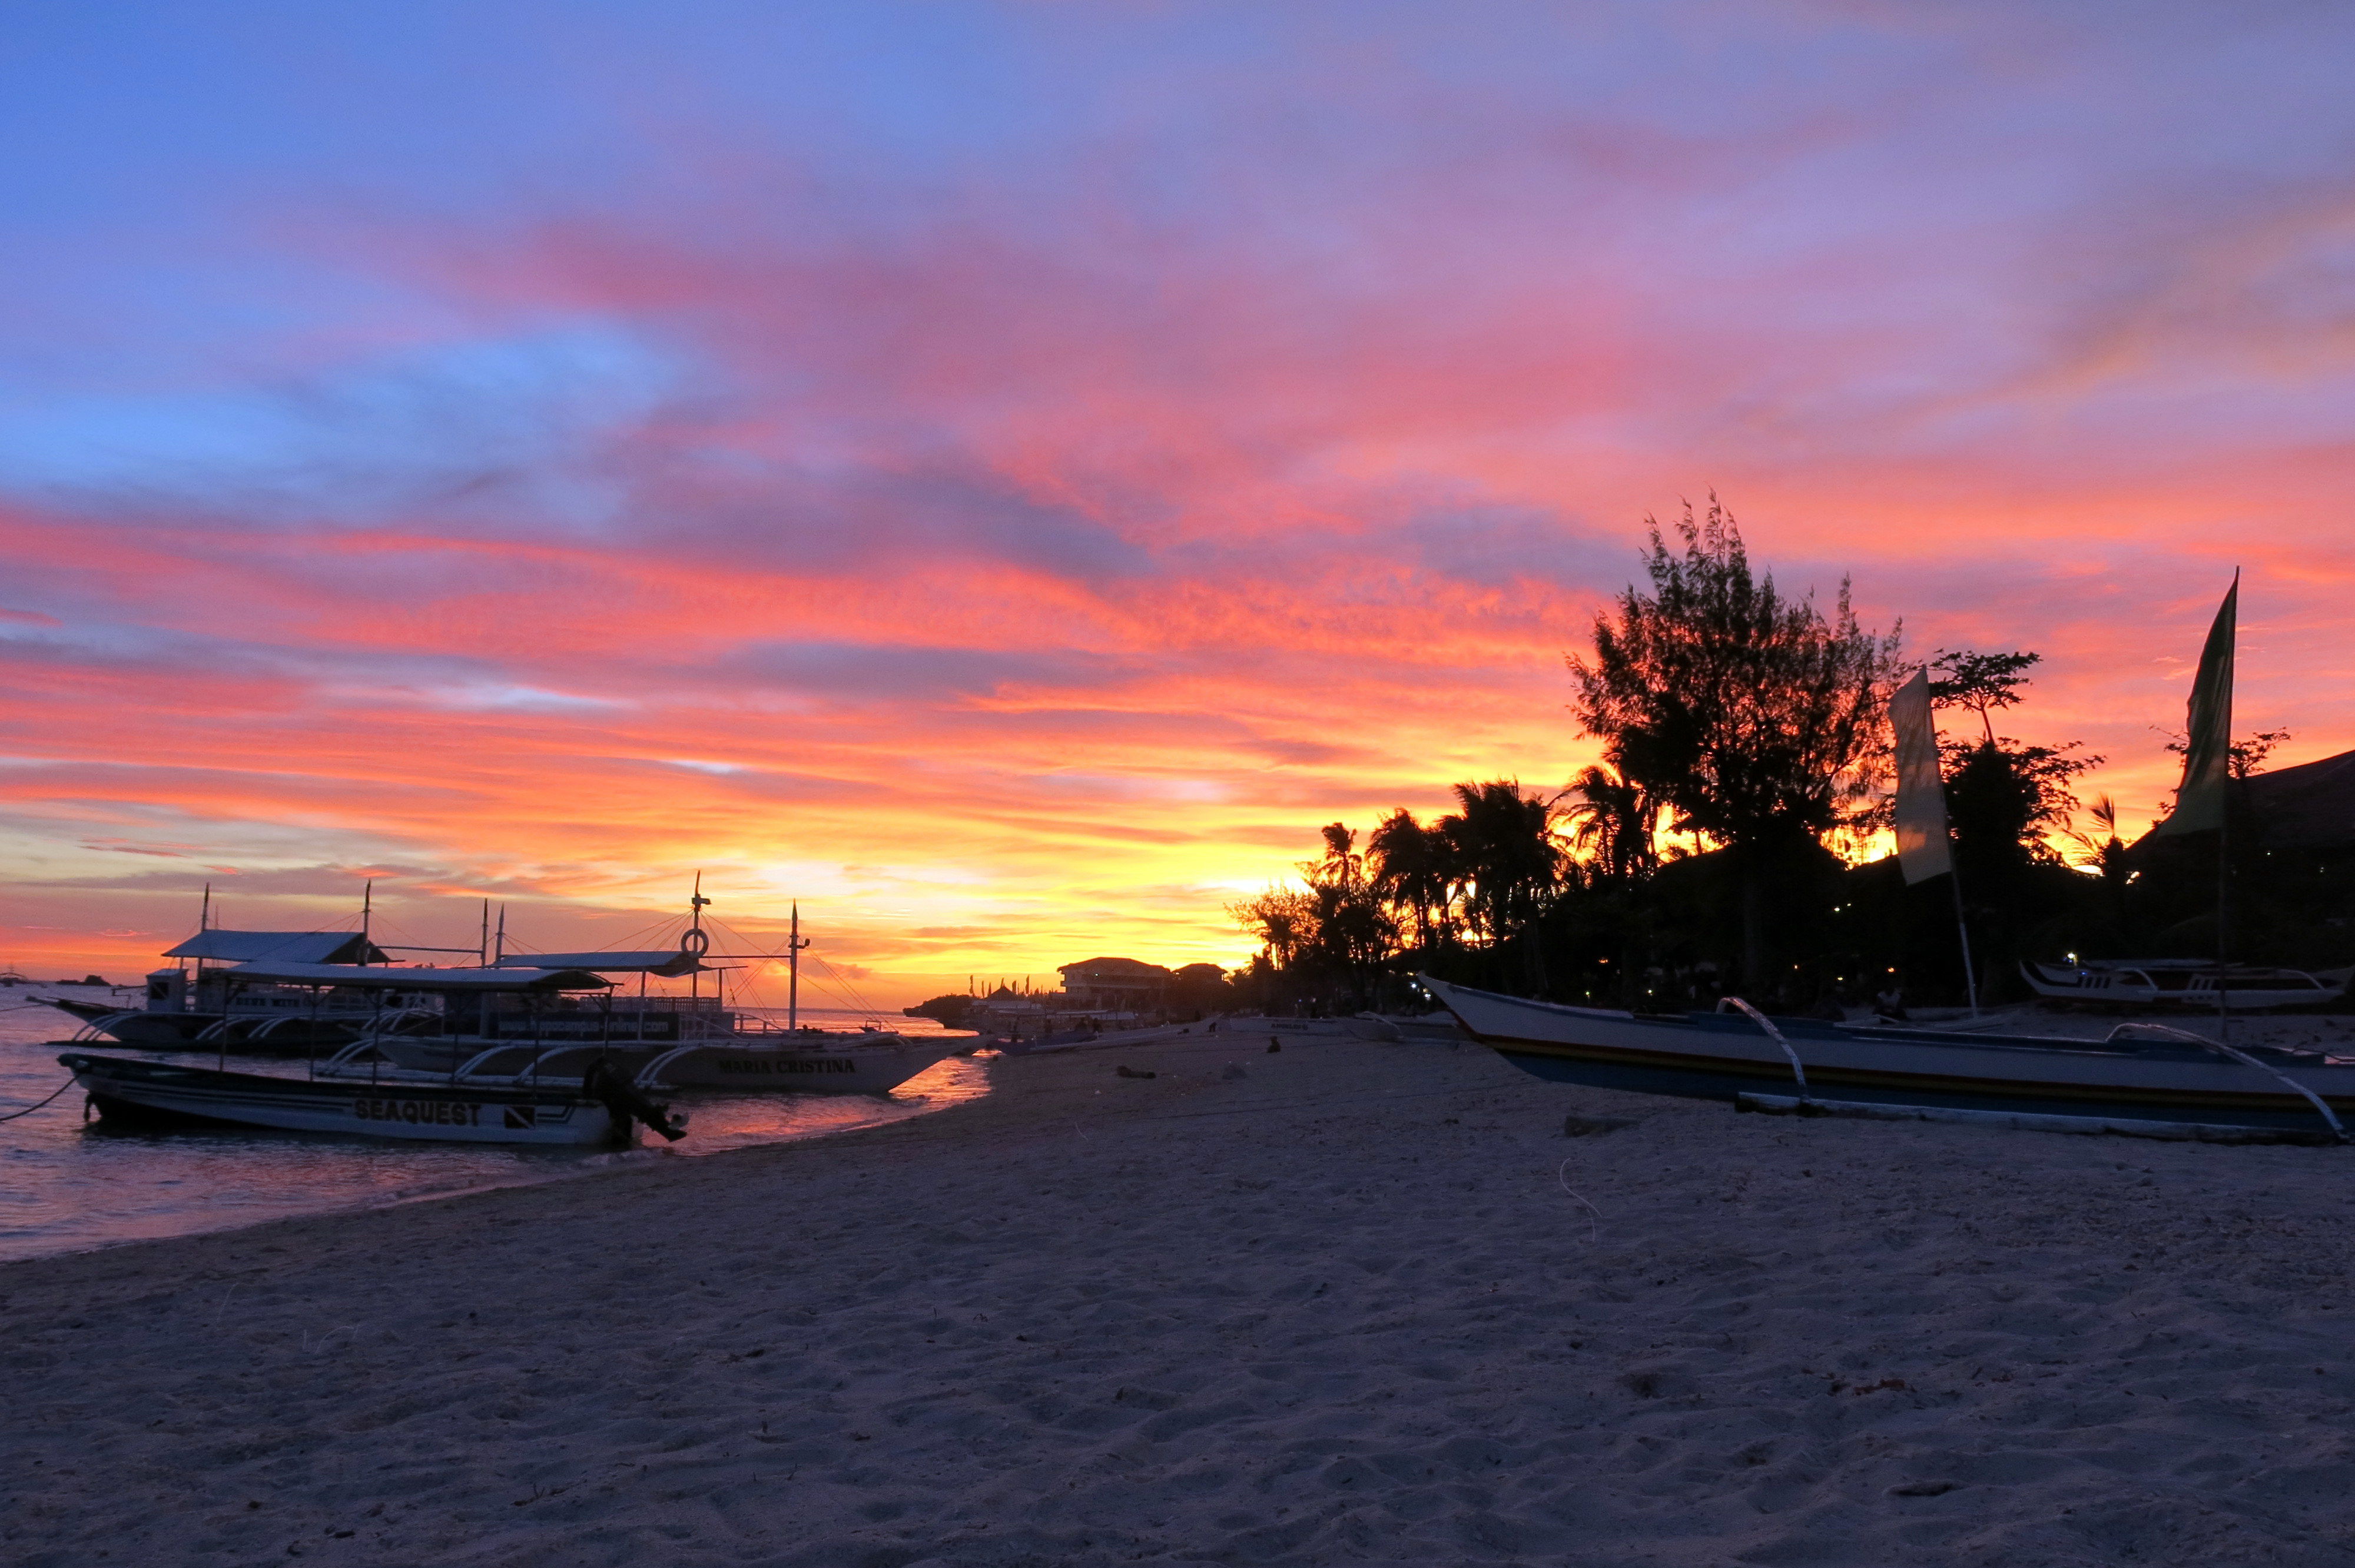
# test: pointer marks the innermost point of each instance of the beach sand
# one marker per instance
(1363, 1303)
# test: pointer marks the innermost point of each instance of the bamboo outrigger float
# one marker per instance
(2180, 982)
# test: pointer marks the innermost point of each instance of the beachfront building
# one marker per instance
(2309, 806)
(1114, 985)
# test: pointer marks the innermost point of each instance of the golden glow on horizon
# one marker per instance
(1037, 823)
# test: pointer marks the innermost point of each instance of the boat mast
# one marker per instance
(696, 940)
(499, 951)
(367, 897)
(794, 946)
(483, 954)
(204, 924)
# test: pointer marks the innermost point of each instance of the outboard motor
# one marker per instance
(624, 1104)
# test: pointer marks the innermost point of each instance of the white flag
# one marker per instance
(1922, 849)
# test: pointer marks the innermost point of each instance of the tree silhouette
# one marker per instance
(1979, 682)
(1283, 919)
(1341, 866)
(2245, 757)
(1755, 718)
(1612, 824)
(1410, 871)
(1507, 859)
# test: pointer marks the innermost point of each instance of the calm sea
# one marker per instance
(66, 1185)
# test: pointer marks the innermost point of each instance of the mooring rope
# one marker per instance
(28, 1111)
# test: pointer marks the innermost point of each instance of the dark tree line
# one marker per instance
(1475, 881)
(1719, 844)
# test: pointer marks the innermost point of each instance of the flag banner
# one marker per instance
(1922, 848)
(2208, 757)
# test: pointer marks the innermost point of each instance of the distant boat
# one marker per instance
(2177, 982)
(171, 1094)
(2171, 1077)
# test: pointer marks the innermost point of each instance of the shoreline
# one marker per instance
(1365, 1303)
(76, 1189)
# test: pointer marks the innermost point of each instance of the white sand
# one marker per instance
(1340, 1310)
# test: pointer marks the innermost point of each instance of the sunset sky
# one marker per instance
(1005, 474)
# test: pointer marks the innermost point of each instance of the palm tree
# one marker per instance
(2105, 851)
(1409, 869)
(1285, 921)
(1614, 819)
(1508, 859)
(1341, 865)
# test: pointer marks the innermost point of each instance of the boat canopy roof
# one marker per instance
(280, 946)
(420, 979)
(653, 962)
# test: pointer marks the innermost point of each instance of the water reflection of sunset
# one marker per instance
(1005, 491)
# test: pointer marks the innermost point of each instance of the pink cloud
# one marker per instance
(992, 542)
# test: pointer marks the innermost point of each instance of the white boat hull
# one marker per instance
(766, 1064)
(855, 1069)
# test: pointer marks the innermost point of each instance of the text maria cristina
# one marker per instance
(787, 1064)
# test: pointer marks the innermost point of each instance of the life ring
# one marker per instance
(694, 942)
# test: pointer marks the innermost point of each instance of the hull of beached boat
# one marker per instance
(2128, 985)
(166, 1094)
(1722, 1055)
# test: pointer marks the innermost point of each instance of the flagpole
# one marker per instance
(1925, 834)
(2204, 799)
(2223, 888)
(1962, 930)
(2224, 841)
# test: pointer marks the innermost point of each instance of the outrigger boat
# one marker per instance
(2185, 982)
(602, 1109)
(2141, 1078)
(693, 1042)
(212, 1002)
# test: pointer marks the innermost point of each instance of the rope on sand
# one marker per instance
(1594, 1219)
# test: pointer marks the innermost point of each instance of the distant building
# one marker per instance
(2307, 806)
(1120, 985)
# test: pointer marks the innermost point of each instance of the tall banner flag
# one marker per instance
(2208, 755)
(1922, 848)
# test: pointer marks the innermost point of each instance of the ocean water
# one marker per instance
(67, 1185)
